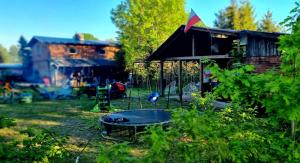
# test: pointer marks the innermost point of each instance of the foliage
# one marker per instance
(88, 36)
(289, 44)
(142, 27)
(235, 16)
(228, 17)
(267, 24)
(14, 54)
(23, 44)
(6, 122)
(116, 153)
(247, 17)
(4, 55)
(39, 146)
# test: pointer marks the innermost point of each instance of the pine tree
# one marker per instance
(227, 18)
(235, 16)
(23, 44)
(267, 24)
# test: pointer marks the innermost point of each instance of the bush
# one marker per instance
(40, 146)
(6, 122)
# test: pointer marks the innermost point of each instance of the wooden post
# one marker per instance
(180, 81)
(193, 45)
(201, 77)
(162, 78)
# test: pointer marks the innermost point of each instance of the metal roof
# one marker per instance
(56, 40)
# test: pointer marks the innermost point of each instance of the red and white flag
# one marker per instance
(193, 19)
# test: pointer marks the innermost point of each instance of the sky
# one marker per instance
(63, 18)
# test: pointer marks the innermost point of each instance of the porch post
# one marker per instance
(193, 45)
(162, 78)
(180, 81)
(201, 77)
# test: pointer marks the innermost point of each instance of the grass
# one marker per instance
(72, 119)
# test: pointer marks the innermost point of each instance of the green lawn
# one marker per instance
(70, 118)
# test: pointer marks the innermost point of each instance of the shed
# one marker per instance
(260, 49)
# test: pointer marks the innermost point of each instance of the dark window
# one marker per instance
(99, 50)
(72, 50)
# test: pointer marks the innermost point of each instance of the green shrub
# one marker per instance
(40, 146)
(6, 122)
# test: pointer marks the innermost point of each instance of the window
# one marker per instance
(73, 50)
(100, 51)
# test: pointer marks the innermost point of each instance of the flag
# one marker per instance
(193, 19)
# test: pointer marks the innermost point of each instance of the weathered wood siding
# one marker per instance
(263, 53)
(264, 63)
(83, 51)
(40, 61)
(262, 47)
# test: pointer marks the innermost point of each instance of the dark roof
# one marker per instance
(273, 35)
(179, 44)
(70, 41)
(69, 62)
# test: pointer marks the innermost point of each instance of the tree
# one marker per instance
(4, 55)
(267, 24)
(142, 27)
(88, 36)
(228, 18)
(23, 44)
(247, 17)
(235, 16)
(13, 53)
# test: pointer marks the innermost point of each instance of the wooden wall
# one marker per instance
(83, 51)
(40, 62)
(262, 52)
(264, 63)
(261, 47)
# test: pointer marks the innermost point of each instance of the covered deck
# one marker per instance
(194, 46)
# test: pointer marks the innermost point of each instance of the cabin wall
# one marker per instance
(263, 64)
(262, 53)
(40, 62)
(82, 51)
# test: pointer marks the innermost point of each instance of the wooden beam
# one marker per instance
(197, 57)
(180, 81)
(201, 78)
(193, 45)
(162, 78)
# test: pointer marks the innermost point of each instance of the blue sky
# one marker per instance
(62, 18)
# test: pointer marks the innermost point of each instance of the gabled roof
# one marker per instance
(69, 41)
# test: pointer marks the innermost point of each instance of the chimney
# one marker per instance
(79, 37)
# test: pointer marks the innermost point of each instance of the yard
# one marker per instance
(70, 119)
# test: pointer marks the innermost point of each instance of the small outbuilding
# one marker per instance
(253, 47)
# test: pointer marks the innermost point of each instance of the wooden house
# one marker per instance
(59, 58)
